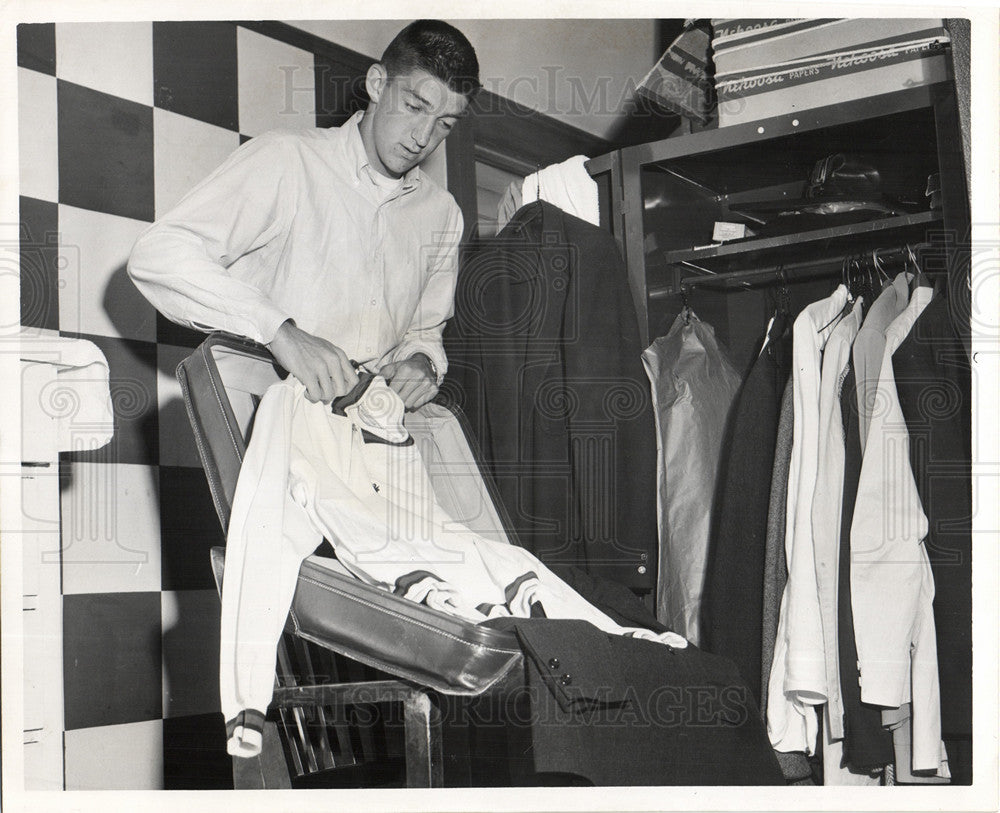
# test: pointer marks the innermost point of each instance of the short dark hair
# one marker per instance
(438, 48)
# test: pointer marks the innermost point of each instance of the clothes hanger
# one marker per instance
(920, 279)
(883, 276)
(848, 280)
(871, 283)
(851, 277)
(780, 299)
(784, 299)
(686, 307)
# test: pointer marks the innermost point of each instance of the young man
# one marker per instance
(330, 246)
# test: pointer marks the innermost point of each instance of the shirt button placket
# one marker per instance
(367, 318)
(378, 281)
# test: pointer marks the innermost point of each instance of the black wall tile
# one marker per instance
(39, 254)
(36, 47)
(195, 71)
(105, 153)
(189, 528)
(340, 91)
(194, 753)
(111, 658)
(168, 332)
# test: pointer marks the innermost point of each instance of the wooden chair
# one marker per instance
(348, 645)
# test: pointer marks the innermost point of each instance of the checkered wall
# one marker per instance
(117, 122)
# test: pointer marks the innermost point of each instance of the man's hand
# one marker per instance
(323, 367)
(413, 379)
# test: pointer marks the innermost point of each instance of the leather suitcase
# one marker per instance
(222, 382)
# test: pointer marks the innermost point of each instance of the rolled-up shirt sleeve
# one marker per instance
(437, 302)
(181, 262)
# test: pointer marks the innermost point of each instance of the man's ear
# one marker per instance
(375, 81)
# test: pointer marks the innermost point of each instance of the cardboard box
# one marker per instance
(785, 66)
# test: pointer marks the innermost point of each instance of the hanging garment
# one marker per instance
(566, 185)
(694, 385)
(732, 601)
(509, 203)
(892, 585)
(869, 347)
(798, 669)
(794, 765)
(932, 375)
(775, 565)
(867, 744)
(545, 360)
(899, 722)
(357, 480)
(835, 771)
(827, 505)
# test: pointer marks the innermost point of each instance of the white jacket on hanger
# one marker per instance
(310, 474)
(869, 347)
(892, 585)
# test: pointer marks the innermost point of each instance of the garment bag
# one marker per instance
(694, 384)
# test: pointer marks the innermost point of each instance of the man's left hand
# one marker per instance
(413, 380)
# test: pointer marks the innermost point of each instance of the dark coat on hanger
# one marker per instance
(932, 376)
(732, 602)
(544, 357)
(867, 745)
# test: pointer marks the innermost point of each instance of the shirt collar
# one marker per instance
(359, 156)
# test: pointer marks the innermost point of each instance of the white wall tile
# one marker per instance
(43, 646)
(115, 757)
(185, 151)
(95, 294)
(116, 58)
(111, 529)
(276, 84)
(190, 651)
(38, 135)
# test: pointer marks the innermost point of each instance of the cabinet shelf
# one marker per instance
(757, 246)
(665, 196)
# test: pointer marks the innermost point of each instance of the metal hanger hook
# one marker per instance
(686, 305)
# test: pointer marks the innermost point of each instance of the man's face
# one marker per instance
(409, 116)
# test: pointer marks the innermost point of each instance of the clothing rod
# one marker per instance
(664, 291)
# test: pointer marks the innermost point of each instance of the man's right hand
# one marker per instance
(323, 367)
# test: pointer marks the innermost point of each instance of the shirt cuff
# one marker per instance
(884, 683)
(269, 324)
(439, 361)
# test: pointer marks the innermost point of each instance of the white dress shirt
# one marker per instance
(827, 508)
(798, 671)
(297, 224)
(892, 586)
